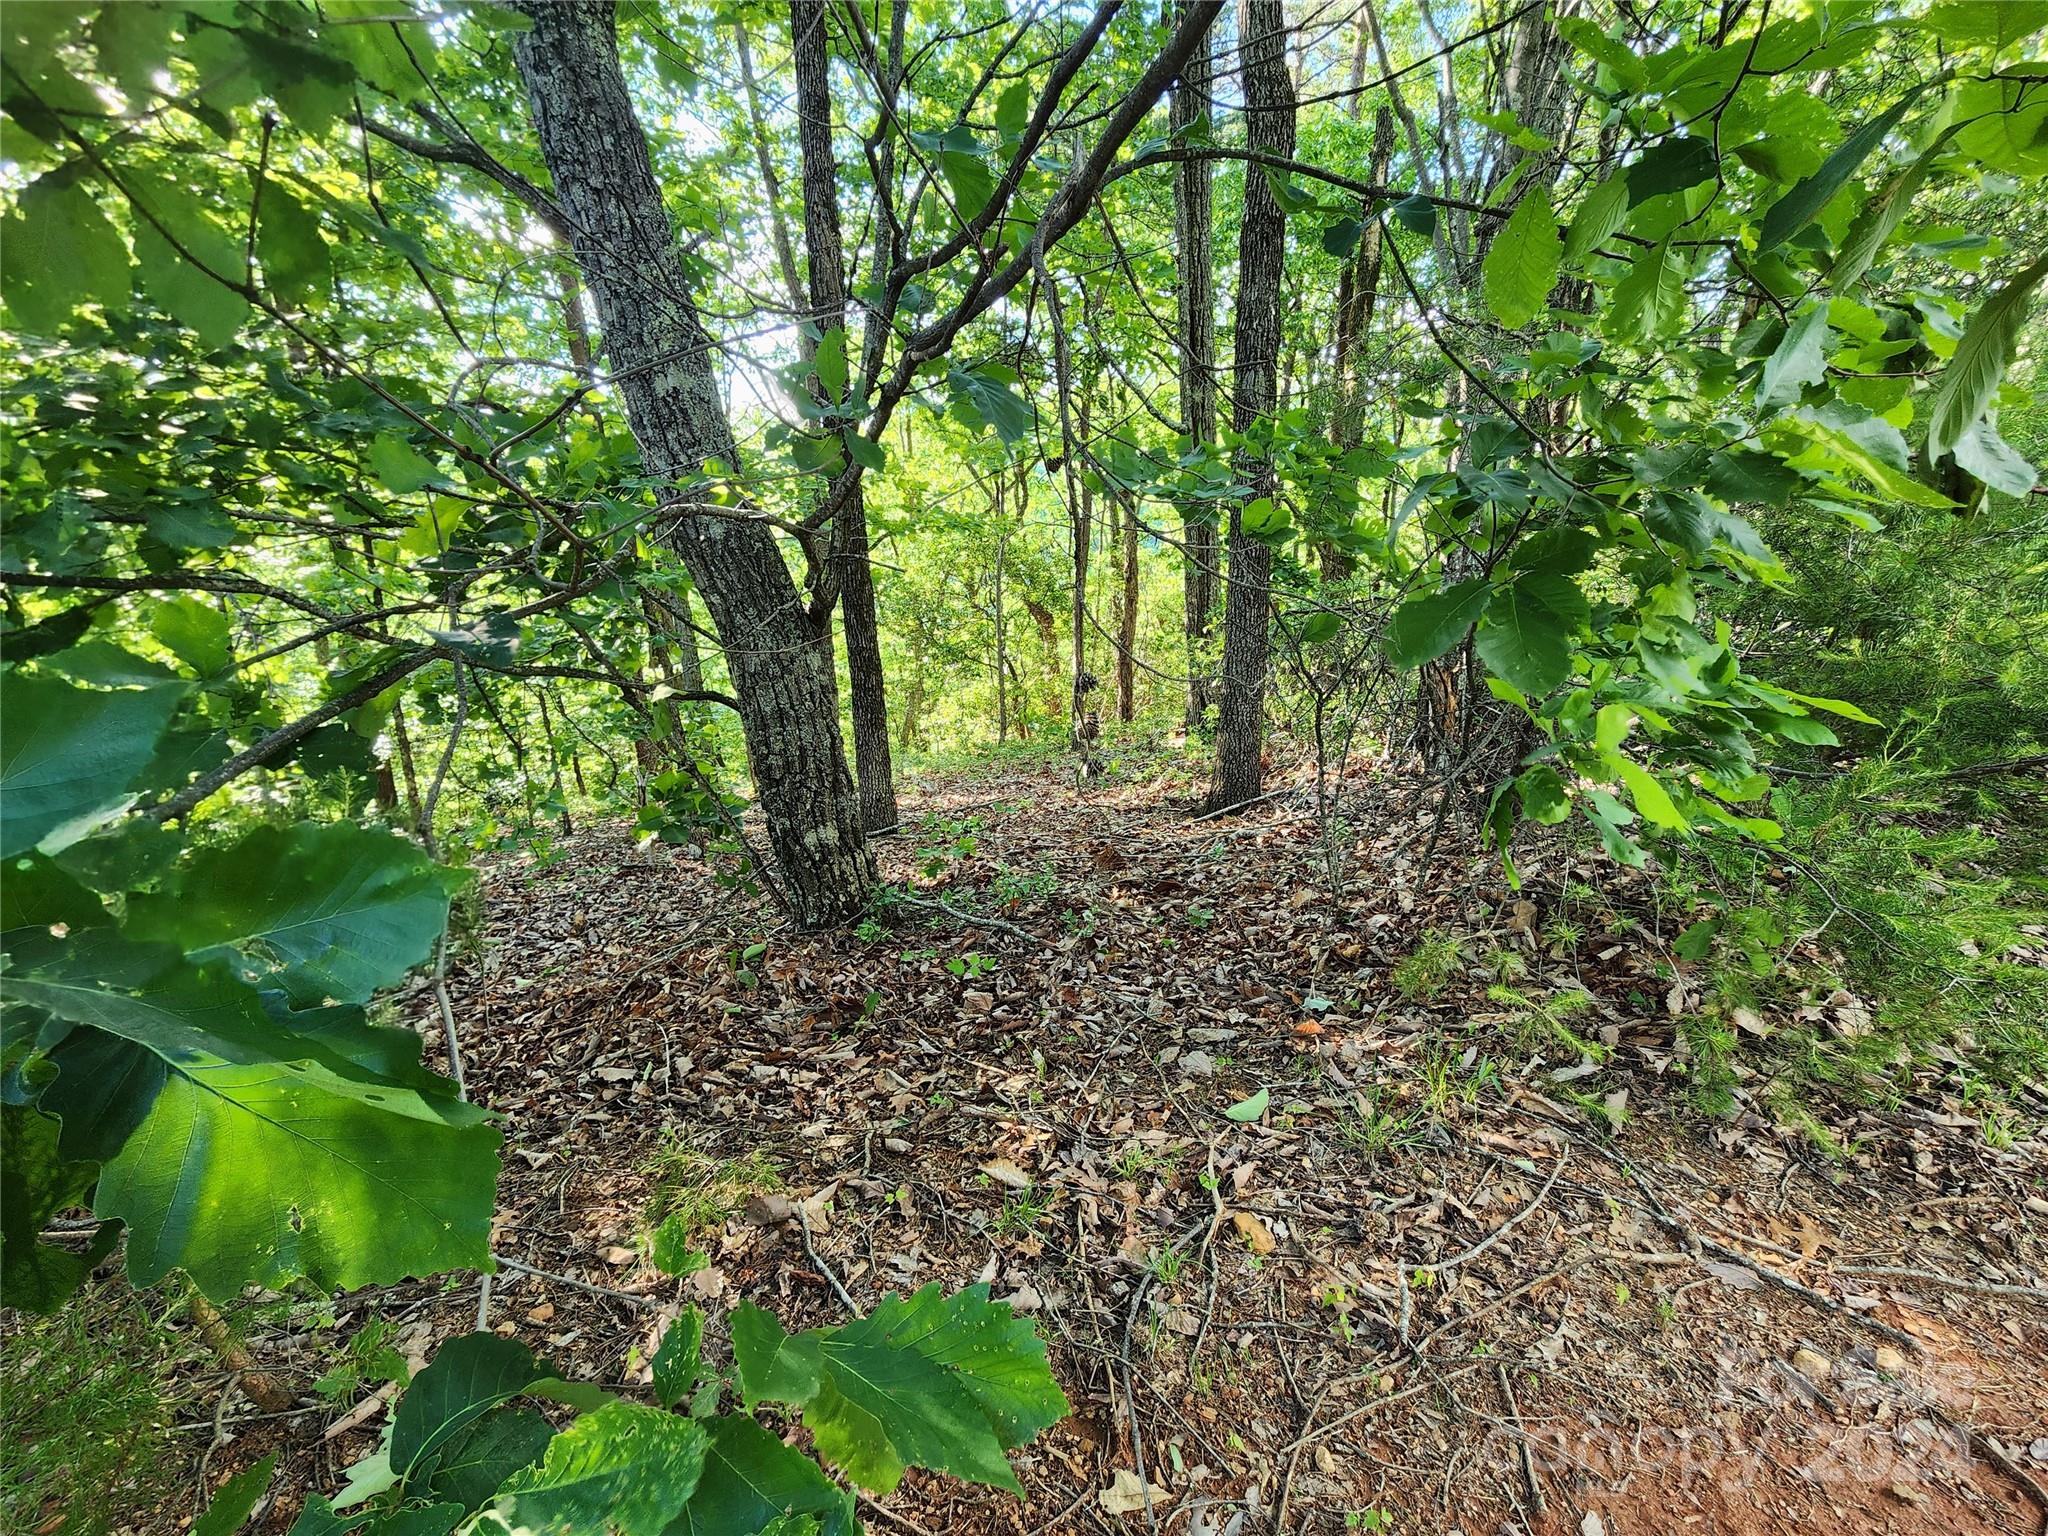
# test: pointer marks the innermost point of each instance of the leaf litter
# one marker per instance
(1308, 1239)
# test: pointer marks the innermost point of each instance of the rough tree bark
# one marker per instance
(1195, 299)
(850, 570)
(1261, 255)
(1127, 619)
(656, 344)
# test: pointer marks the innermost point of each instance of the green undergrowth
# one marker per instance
(1910, 890)
(690, 1192)
(84, 1416)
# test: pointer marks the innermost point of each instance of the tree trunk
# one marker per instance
(1002, 633)
(850, 570)
(1261, 255)
(1127, 621)
(659, 352)
(1195, 300)
(1081, 523)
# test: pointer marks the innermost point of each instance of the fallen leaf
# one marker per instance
(1125, 1494)
(1007, 1173)
(1257, 1236)
(1246, 1110)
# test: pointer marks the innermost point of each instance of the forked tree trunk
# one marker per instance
(1261, 254)
(1195, 299)
(850, 569)
(658, 350)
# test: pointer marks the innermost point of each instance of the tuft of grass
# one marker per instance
(1423, 971)
(1542, 1021)
(84, 1418)
(697, 1192)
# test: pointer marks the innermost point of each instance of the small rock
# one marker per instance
(1198, 1064)
(1592, 1525)
(895, 1144)
(1889, 1360)
(1812, 1364)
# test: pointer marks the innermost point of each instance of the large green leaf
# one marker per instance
(1867, 444)
(625, 1470)
(1526, 634)
(1802, 205)
(1423, 628)
(751, 1480)
(1798, 361)
(950, 1383)
(61, 252)
(468, 1377)
(983, 397)
(475, 1462)
(69, 755)
(334, 911)
(1522, 264)
(36, 1182)
(249, 1155)
(1971, 378)
(232, 1506)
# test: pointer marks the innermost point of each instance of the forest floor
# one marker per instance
(1479, 1264)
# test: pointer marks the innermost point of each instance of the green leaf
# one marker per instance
(297, 265)
(1340, 238)
(1880, 216)
(1244, 1111)
(196, 633)
(1670, 165)
(830, 362)
(1744, 475)
(950, 1383)
(235, 1502)
(625, 1470)
(402, 467)
(1651, 297)
(1545, 800)
(1802, 205)
(1867, 444)
(1522, 264)
(1416, 213)
(970, 180)
(1798, 361)
(468, 1377)
(868, 455)
(473, 1463)
(983, 397)
(325, 912)
(1013, 110)
(256, 1155)
(69, 754)
(751, 1480)
(36, 1183)
(1423, 628)
(676, 1358)
(1525, 635)
(1652, 800)
(1320, 628)
(1971, 378)
(195, 298)
(61, 252)
(1603, 212)
(1983, 453)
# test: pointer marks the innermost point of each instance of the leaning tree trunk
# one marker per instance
(1261, 255)
(659, 352)
(1201, 549)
